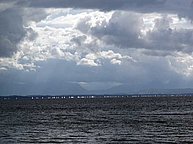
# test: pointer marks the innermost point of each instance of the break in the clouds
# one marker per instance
(94, 46)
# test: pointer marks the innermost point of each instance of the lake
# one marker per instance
(97, 120)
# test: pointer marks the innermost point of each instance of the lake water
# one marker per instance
(98, 120)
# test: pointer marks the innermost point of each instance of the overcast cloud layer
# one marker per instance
(95, 46)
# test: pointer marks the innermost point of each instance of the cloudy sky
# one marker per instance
(95, 46)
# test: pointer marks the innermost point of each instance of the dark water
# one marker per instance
(112, 120)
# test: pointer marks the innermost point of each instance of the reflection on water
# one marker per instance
(112, 120)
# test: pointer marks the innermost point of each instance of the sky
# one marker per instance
(57, 47)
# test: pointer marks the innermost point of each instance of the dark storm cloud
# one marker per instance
(122, 30)
(180, 7)
(12, 26)
(11, 31)
(93, 4)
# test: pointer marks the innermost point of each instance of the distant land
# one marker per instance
(167, 91)
(122, 91)
(142, 93)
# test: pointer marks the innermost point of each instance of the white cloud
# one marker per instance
(182, 64)
(90, 37)
(115, 61)
(3, 69)
(57, 40)
(142, 31)
(95, 59)
(88, 62)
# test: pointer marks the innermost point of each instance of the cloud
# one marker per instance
(3, 69)
(179, 7)
(93, 4)
(58, 39)
(96, 59)
(6, 5)
(119, 30)
(93, 38)
(11, 31)
(135, 46)
(182, 64)
(115, 31)
(88, 62)
(122, 29)
(130, 30)
(109, 28)
(163, 37)
(13, 27)
(90, 86)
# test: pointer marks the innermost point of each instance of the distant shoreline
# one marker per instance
(52, 97)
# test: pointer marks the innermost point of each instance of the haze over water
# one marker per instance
(98, 120)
